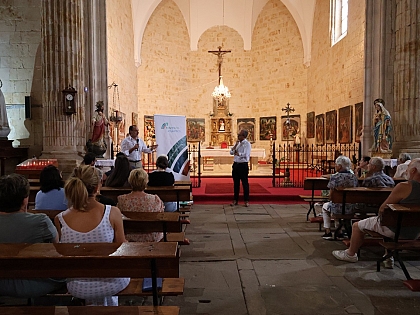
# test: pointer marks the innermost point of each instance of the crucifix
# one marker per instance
(219, 53)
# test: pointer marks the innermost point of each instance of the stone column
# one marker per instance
(377, 56)
(70, 57)
(406, 77)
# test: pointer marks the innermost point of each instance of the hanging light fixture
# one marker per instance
(221, 92)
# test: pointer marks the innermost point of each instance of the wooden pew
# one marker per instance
(312, 184)
(90, 260)
(140, 222)
(89, 310)
(365, 195)
(398, 216)
(166, 193)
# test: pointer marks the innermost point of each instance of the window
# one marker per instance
(339, 20)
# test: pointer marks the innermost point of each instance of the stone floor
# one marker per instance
(266, 259)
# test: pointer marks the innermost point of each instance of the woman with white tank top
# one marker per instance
(89, 221)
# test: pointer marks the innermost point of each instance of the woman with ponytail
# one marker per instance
(88, 221)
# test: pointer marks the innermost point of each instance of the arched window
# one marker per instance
(339, 19)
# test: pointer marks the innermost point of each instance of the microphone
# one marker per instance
(137, 143)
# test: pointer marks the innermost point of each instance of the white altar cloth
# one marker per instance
(260, 153)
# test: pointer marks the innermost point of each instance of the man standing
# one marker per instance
(132, 146)
(404, 193)
(241, 152)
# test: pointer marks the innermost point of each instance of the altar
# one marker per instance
(220, 160)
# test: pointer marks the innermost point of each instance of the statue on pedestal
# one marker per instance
(382, 128)
(4, 123)
(97, 144)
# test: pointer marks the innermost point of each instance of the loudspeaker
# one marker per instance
(28, 107)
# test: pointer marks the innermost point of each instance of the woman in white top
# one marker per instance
(89, 221)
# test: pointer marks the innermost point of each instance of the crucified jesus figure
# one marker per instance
(219, 53)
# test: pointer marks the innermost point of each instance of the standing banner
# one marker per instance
(171, 137)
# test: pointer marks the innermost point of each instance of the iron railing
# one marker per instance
(292, 163)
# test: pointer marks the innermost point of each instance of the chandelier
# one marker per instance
(221, 92)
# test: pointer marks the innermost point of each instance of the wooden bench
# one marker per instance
(363, 195)
(398, 216)
(89, 310)
(143, 222)
(91, 260)
(312, 184)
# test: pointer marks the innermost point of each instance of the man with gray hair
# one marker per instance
(403, 160)
(378, 178)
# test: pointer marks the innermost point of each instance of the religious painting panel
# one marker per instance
(247, 124)
(149, 129)
(268, 128)
(358, 121)
(196, 129)
(319, 129)
(331, 127)
(135, 119)
(310, 125)
(290, 127)
(345, 124)
(121, 127)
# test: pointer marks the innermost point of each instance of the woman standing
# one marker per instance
(89, 221)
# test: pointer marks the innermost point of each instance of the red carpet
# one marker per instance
(273, 195)
(225, 188)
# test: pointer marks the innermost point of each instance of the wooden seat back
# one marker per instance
(315, 183)
(360, 195)
(410, 218)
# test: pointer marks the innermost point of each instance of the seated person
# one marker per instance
(403, 161)
(120, 173)
(362, 169)
(343, 178)
(163, 177)
(108, 173)
(89, 159)
(18, 226)
(89, 221)
(51, 196)
(139, 201)
(404, 193)
(377, 177)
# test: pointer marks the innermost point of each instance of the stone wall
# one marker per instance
(165, 74)
(175, 80)
(336, 74)
(20, 70)
(121, 67)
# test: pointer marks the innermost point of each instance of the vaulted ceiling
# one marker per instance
(241, 15)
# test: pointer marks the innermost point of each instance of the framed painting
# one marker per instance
(196, 128)
(331, 127)
(345, 124)
(135, 119)
(310, 125)
(247, 124)
(291, 128)
(358, 121)
(268, 128)
(149, 128)
(319, 129)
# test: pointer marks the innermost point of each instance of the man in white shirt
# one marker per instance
(133, 146)
(241, 152)
(403, 160)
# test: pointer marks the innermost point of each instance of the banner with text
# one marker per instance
(171, 137)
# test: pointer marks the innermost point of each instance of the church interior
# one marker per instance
(142, 58)
(292, 72)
